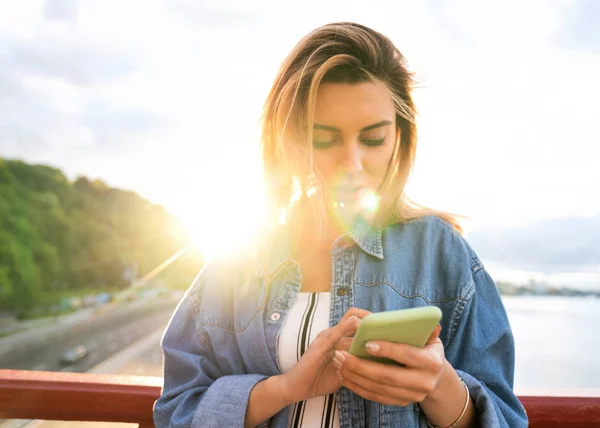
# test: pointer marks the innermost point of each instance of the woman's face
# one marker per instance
(353, 139)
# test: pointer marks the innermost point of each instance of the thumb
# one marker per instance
(435, 334)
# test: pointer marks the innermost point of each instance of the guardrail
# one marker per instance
(116, 398)
(78, 396)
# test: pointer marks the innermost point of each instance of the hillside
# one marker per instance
(58, 235)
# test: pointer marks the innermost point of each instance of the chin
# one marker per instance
(343, 217)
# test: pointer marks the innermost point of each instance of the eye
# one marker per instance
(372, 143)
(324, 138)
(323, 144)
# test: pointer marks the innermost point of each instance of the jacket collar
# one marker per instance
(277, 251)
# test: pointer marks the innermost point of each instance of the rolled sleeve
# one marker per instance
(226, 401)
(484, 403)
(196, 392)
(482, 352)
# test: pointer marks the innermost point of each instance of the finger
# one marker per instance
(382, 374)
(413, 385)
(427, 358)
(326, 340)
(344, 344)
(388, 396)
(360, 313)
(434, 334)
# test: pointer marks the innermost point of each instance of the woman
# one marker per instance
(263, 339)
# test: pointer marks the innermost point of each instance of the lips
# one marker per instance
(348, 194)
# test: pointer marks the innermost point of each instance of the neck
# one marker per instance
(312, 244)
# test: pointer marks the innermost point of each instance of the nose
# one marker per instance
(351, 161)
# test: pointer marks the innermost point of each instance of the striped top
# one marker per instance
(308, 316)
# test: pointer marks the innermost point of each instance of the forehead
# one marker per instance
(353, 106)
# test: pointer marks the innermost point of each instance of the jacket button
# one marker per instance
(341, 291)
(275, 316)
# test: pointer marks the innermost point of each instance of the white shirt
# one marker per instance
(308, 316)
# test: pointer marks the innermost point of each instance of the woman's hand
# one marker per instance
(395, 385)
(314, 374)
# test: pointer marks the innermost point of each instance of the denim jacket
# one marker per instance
(222, 339)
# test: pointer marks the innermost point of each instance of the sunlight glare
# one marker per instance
(370, 202)
(282, 216)
(296, 191)
(225, 215)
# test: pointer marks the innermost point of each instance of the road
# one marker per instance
(120, 345)
(103, 333)
(142, 358)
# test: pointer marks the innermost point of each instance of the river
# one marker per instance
(557, 341)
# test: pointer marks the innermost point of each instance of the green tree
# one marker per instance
(57, 235)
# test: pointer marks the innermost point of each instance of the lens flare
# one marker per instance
(370, 202)
(296, 191)
(282, 216)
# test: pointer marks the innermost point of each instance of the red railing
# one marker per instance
(115, 398)
(77, 397)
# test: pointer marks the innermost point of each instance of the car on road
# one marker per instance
(74, 355)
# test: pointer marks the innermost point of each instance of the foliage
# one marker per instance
(58, 236)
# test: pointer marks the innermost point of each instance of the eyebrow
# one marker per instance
(366, 128)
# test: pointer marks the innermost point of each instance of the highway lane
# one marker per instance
(142, 358)
(103, 334)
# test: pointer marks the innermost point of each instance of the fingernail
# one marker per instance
(340, 357)
(336, 362)
(352, 318)
(372, 347)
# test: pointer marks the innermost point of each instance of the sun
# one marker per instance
(223, 214)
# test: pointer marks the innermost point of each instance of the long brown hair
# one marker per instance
(336, 53)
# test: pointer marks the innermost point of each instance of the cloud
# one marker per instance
(211, 15)
(580, 28)
(507, 115)
(115, 126)
(64, 59)
(24, 114)
(507, 103)
(61, 10)
(51, 78)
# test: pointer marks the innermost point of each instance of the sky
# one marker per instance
(164, 98)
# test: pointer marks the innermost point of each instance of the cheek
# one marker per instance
(325, 167)
(376, 164)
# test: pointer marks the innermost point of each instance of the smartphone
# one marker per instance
(412, 326)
